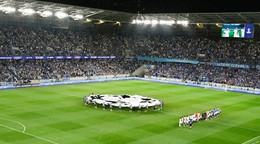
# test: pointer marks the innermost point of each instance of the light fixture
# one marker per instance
(77, 16)
(118, 23)
(88, 20)
(154, 22)
(7, 9)
(61, 15)
(183, 22)
(100, 22)
(200, 25)
(219, 25)
(26, 11)
(45, 13)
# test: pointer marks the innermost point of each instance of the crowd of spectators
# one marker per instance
(17, 40)
(206, 73)
(16, 70)
(37, 41)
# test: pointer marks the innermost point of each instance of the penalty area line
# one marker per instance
(29, 134)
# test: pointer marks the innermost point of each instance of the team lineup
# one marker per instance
(196, 117)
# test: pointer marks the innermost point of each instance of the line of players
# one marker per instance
(189, 120)
(140, 107)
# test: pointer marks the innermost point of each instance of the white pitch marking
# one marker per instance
(24, 128)
(251, 140)
(30, 134)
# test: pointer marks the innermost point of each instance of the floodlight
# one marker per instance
(183, 22)
(118, 23)
(46, 13)
(88, 20)
(162, 22)
(26, 11)
(179, 22)
(7, 9)
(199, 25)
(219, 25)
(77, 16)
(61, 15)
(133, 22)
(101, 21)
(147, 22)
(155, 22)
(138, 21)
(166, 22)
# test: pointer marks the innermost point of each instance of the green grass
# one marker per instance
(56, 114)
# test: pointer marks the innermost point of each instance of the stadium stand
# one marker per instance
(38, 41)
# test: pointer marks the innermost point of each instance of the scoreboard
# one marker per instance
(237, 30)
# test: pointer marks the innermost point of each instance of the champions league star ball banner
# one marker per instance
(54, 57)
(237, 30)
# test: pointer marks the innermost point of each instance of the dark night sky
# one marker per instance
(167, 6)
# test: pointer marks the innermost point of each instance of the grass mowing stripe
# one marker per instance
(58, 112)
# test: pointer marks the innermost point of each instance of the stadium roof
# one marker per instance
(137, 9)
(166, 6)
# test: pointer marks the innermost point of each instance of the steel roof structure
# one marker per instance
(125, 17)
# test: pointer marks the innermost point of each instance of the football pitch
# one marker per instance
(57, 115)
